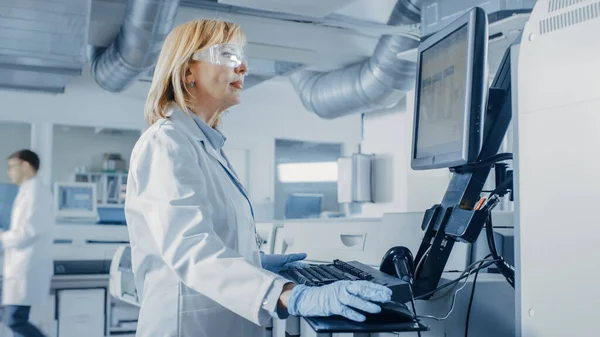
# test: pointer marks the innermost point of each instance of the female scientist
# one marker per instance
(194, 247)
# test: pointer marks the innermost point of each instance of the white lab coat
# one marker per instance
(194, 250)
(27, 245)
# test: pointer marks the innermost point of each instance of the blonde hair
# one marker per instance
(169, 74)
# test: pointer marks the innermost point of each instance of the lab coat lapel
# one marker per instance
(213, 153)
(187, 123)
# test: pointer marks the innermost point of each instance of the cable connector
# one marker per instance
(492, 203)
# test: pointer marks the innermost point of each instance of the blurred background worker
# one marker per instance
(27, 260)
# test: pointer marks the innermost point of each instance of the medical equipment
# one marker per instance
(556, 141)
(355, 177)
(110, 186)
(86, 249)
(303, 205)
(122, 283)
(464, 133)
(75, 201)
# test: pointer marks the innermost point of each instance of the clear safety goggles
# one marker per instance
(227, 54)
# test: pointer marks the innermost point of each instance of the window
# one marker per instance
(308, 172)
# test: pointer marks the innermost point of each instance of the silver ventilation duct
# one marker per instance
(42, 43)
(136, 48)
(376, 83)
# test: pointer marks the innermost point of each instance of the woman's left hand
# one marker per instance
(276, 262)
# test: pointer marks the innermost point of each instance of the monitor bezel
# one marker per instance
(475, 101)
(75, 213)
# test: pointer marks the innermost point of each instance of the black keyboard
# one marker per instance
(319, 275)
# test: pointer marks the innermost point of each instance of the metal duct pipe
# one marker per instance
(136, 48)
(377, 83)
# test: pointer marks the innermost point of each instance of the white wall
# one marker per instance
(83, 103)
(398, 188)
(272, 111)
(81, 146)
(13, 137)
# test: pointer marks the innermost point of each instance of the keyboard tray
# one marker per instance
(338, 324)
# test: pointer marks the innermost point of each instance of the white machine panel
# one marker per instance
(88, 241)
(557, 171)
(364, 240)
(361, 239)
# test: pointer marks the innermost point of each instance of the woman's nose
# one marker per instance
(242, 69)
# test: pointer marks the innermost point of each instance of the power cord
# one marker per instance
(416, 273)
(454, 296)
(487, 263)
(493, 200)
(414, 307)
(471, 299)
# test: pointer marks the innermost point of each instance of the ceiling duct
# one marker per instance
(42, 43)
(136, 48)
(377, 83)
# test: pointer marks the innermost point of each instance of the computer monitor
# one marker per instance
(75, 200)
(450, 94)
(303, 206)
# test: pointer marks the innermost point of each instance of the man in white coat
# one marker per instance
(27, 245)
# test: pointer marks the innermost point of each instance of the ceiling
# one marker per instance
(50, 42)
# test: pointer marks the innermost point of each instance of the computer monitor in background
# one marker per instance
(75, 200)
(8, 193)
(303, 206)
(450, 95)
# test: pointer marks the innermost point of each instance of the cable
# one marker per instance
(471, 299)
(504, 268)
(453, 299)
(464, 274)
(421, 261)
(412, 301)
(487, 263)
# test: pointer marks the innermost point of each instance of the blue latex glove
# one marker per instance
(338, 298)
(276, 262)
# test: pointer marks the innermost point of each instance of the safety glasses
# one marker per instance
(227, 54)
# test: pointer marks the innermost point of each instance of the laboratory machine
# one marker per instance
(460, 122)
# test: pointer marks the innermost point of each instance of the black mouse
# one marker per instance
(391, 312)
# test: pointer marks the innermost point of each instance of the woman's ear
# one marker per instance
(189, 76)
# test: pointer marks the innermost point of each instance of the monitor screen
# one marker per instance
(443, 90)
(451, 94)
(76, 198)
(303, 206)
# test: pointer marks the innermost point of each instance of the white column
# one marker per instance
(41, 143)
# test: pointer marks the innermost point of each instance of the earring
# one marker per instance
(192, 84)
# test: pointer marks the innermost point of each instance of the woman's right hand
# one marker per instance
(339, 298)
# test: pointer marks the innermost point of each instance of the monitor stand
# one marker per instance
(456, 213)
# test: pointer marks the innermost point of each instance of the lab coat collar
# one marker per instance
(29, 182)
(186, 123)
(214, 136)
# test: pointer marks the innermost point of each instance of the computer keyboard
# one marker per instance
(323, 274)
